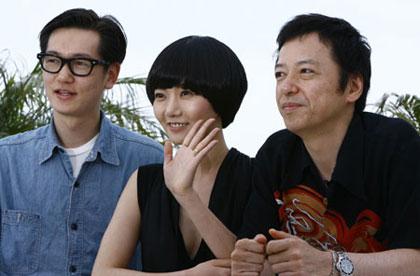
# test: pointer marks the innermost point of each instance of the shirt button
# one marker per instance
(73, 226)
(72, 269)
(76, 184)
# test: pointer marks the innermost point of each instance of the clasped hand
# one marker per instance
(285, 254)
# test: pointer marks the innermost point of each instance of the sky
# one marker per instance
(249, 28)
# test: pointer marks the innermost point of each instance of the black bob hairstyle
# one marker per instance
(349, 48)
(206, 66)
(113, 41)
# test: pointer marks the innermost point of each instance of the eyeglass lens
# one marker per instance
(53, 64)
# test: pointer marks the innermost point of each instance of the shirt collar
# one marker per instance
(105, 146)
(350, 166)
(298, 162)
(350, 162)
(51, 143)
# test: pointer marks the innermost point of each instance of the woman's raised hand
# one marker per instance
(179, 171)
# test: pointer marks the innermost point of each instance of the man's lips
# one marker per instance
(290, 106)
(64, 94)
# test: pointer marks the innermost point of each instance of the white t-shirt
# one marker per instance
(78, 155)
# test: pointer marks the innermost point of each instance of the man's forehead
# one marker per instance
(73, 42)
(306, 49)
(309, 36)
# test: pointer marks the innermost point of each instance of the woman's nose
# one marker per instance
(173, 107)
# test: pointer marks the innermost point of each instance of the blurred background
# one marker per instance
(248, 27)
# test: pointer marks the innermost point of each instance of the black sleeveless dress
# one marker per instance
(162, 244)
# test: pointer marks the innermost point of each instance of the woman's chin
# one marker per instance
(175, 143)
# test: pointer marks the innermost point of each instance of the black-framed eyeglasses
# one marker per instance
(79, 66)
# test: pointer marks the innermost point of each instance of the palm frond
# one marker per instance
(406, 107)
(24, 105)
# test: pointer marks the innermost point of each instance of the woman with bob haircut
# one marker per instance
(185, 213)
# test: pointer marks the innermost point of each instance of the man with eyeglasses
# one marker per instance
(59, 184)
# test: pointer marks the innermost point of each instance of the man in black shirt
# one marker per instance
(339, 188)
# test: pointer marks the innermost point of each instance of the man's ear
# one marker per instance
(112, 75)
(354, 88)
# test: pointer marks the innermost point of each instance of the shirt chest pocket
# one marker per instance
(20, 238)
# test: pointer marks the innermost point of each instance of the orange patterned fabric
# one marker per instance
(304, 213)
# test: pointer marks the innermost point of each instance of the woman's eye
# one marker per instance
(187, 93)
(159, 95)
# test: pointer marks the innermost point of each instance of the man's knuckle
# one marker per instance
(241, 243)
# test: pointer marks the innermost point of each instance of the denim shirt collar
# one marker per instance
(105, 146)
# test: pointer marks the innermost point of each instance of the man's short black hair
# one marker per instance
(203, 65)
(113, 41)
(349, 48)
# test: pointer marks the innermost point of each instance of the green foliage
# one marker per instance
(24, 105)
(127, 105)
(406, 107)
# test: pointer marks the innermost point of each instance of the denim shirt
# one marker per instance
(51, 222)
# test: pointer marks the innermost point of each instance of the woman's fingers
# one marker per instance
(191, 133)
(200, 154)
(203, 143)
(167, 151)
(198, 137)
(199, 141)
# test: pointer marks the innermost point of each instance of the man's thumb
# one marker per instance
(260, 238)
(276, 234)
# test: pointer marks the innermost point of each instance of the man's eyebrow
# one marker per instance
(301, 62)
(307, 61)
(76, 55)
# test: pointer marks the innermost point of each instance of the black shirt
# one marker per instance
(162, 245)
(372, 202)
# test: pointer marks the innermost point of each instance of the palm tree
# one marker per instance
(406, 107)
(24, 106)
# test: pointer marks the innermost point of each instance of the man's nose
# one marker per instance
(288, 85)
(65, 73)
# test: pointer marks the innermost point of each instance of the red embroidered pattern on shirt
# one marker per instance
(304, 213)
